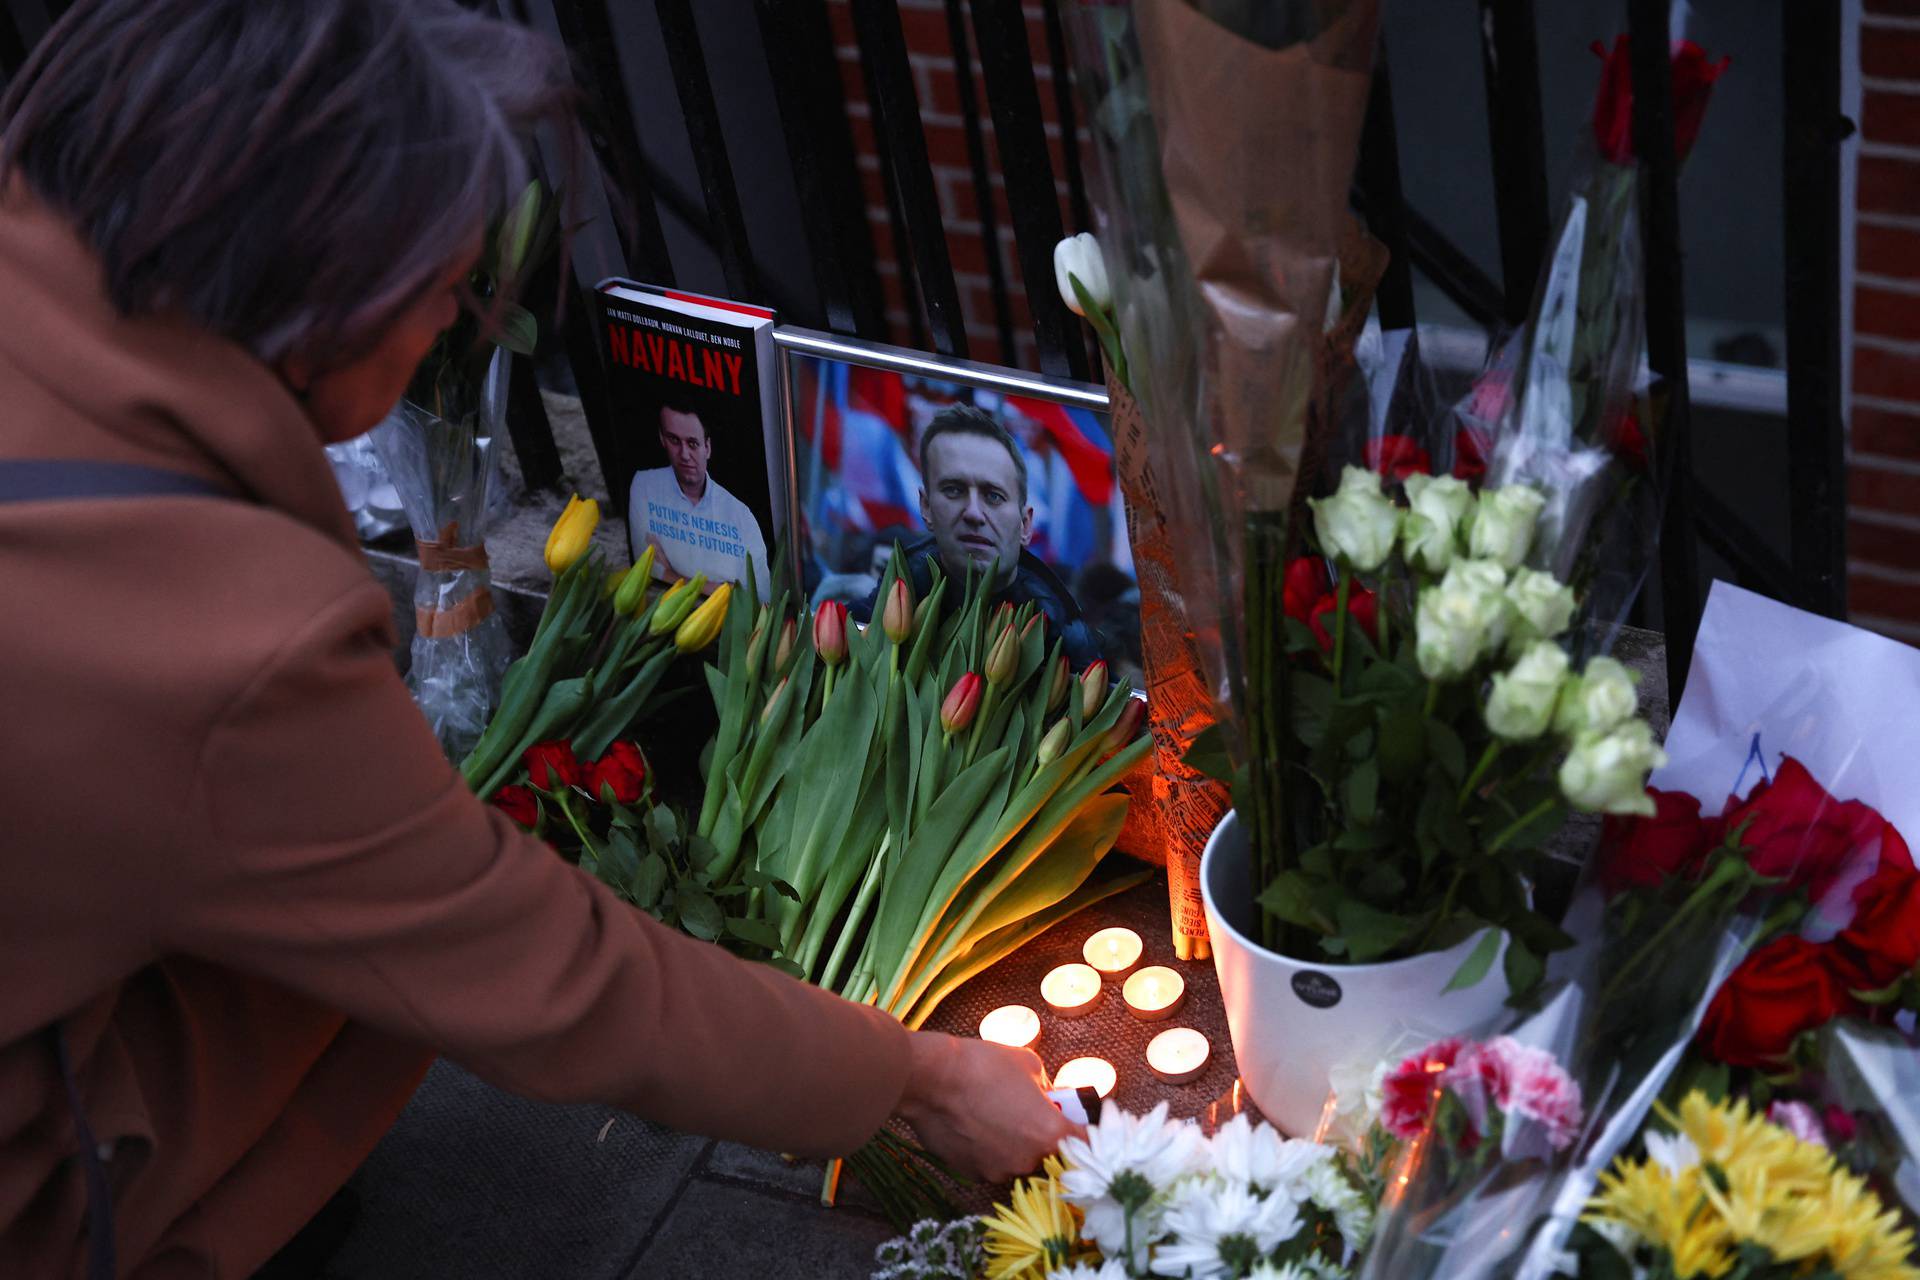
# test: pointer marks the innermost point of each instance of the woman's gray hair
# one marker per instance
(287, 173)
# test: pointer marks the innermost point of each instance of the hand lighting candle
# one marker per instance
(1179, 1056)
(1096, 1073)
(1114, 952)
(1013, 1025)
(1154, 992)
(1072, 990)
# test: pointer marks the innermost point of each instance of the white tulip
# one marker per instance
(1607, 772)
(1542, 607)
(1460, 619)
(1357, 524)
(1503, 521)
(1521, 704)
(1079, 256)
(1602, 697)
(1430, 534)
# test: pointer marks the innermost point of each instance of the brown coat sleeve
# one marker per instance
(341, 855)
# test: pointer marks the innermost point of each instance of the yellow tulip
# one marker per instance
(675, 605)
(633, 588)
(703, 624)
(572, 533)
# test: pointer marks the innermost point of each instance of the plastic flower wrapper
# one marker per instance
(1867, 1109)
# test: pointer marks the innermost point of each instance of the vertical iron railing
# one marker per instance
(983, 203)
(1810, 167)
(1653, 142)
(1510, 55)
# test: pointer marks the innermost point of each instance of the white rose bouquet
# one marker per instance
(1431, 729)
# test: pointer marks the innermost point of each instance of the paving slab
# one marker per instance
(723, 1227)
(476, 1183)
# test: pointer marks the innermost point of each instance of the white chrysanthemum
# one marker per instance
(1329, 1188)
(1259, 1156)
(1122, 1167)
(1280, 1271)
(1111, 1269)
(1218, 1229)
(1673, 1152)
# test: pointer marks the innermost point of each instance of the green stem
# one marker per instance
(587, 842)
(1479, 771)
(1514, 828)
(862, 900)
(1340, 628)
(1729, 871)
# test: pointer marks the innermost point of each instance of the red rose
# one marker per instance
(1469, 455)
(1628, 442)
(1693, 78)
(551, 766)
(1670, 845)
(1306, 582)
(623, 769)
(1882, 945)
(1795, 830)
(519, 804)
(1362, 606)
(1397, 457)
(1785, 988)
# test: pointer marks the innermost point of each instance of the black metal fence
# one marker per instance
(848, 298)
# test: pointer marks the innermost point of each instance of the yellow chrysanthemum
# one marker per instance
(1037, 1232)
(1744, 1180)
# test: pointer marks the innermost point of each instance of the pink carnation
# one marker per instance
(1839, 1122)
(1408, 1092)
(1798, 1119)
(1540, 1089)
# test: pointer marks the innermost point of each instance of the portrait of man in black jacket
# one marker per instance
(973, 497)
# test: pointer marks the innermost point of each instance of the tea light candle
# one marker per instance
(1179, 1056)
(1114, 952)
(1154, 992)
(1014, 1025)
(1071, 990)
(1095, 1073)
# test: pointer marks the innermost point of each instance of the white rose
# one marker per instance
(1521, 705)
(1357, 524)
(1607, 772)
(1430, 532)
(1502, 527)
(1460, 619)
(1542, 606)
(1079, 256)
(1599, 699)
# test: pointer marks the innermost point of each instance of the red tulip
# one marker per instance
(1057, 686)
(789, 632)
(1125, 727)
(1003, 659)
(1093, 688)
(830, 632)
(963, 700)
(897, 621)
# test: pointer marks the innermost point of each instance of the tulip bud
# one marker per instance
(572, 533)
(830, 632)
(642, 573)
(773, 699)
(756, 646)
(1125, 727)
(699, 628)
(1004, 657)
(632, 590)
(789, 632)
(920, 614)
(1054, 743)
(679, 601)
(1037, 620)
(956, 713)
(1079, 258)
(1093, 688)
(1058, 685)
(897, 621)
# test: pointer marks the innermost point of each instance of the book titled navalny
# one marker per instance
(695, 396)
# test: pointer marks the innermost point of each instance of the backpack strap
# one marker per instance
(58, 479)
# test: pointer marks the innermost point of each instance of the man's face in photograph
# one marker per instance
(973, 504)
(684, 437)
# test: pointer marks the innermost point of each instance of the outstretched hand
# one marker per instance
(982, 1107)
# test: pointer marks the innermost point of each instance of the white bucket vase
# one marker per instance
(1296, 1023)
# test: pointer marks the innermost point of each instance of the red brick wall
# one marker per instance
(924, 23)
(1883, 518)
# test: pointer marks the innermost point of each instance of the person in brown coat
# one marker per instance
(243, 898)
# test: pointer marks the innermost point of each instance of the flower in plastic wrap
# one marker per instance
(1363, 607)
(1607, 772)
(1430, 531)
(1520, 707)
(1502, 525)
(1220, 1228)
(1079, 257)
(1460, 619)
(1882, 945)
(1603, 696)
(520, 804)
(1357, 524)
(1408, 1092)
(1668, 844)
(1119, 1169)
(1397, 458)
(1787, 987)
(1305, 583)
(1798, 1119)
(1543, 606)
(1795, 828)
